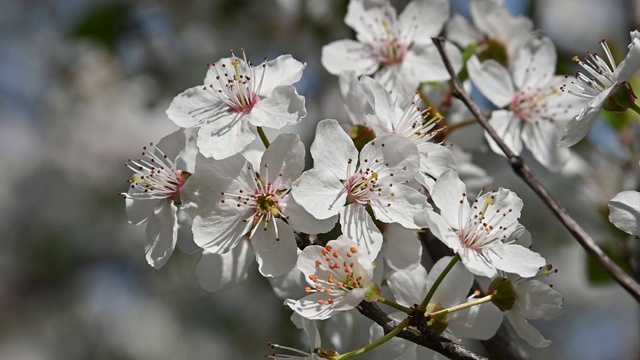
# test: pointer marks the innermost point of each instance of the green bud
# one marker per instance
(361, 135)
(440, 322)
(621, 98)
(373, 293)
(504, 294)
(326, 353)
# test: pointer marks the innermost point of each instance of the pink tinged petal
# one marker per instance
(402, 249)
(516, 259)
(631, 62)
(508, 127)
(409, 287)
(424, 19)
(331, 136)
(284, 160)
(456, 285)
(284, 70)
(275, 257)
(283, 107)
(348, 55)
(526, 330)
(320, 193)
(478, 322)
(537, 300)
(459, 30)
(139, 211)
(358, 226)
(535, 64)
(624, 211)
(162, 233)
(400, 206)
(392, 157)
(220, 230)
(493, 81)
(542, 140)
(301, 220)
(196, 106)
(447, 194)
(217, 272)
(220, 143)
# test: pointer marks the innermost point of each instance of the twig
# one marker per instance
(426, 337)
(525, 173)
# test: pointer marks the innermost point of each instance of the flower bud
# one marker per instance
(504, 294)
(620, 99)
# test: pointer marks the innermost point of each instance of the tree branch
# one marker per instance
(426, 337)
(525, 173)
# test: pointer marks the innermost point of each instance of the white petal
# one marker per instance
(301, 220)
(289, 286)
(196, 106)
(435, 159)
(217, 272)
(309, 307)
(456, 285)
(400, 208)
(493, 80)
(348, 55)
(353, 98)
(424, 64)
(526, 330)
(580, 125)
(173, 144)
(508, 127)
(459, 30)
(220, 143)
(138, 211)
(281, 108)
(275, 257)
(284, 160)
(379, 99)
(535, 64)
(542, 140)
(425, 19)
(447, 193)
(476, 264)
(358, 226)
(537, 300)
(402, 249)
(624, 211)
(219, 231)
(394, 158)
(331, 136)
(320, 193)
(309, 327)
(631, 62)
(409, 287)
(501, 211)
(478, 322)
(162, 233)
(440, 229)
(516, 259)
(284, 70)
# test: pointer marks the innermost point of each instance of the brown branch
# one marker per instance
(426, 337)
(525, 173)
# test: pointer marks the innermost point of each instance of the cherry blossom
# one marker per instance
(236, 98)
(603, 81)
(483, 233)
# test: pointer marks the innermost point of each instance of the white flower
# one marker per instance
(339, 277)
(624, 212)
(602, 81)
(412, 122)
(339, 183)
(536, 106)
(494, 25)
(234, 200)
(235, 99)
(155, 194)
(398, 49)
(481, 234)
(534, 300)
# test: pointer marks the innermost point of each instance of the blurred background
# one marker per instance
(85, 84)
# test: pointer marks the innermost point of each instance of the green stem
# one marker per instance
(427, 299)
(461, 306)
(635, 108)
(263, 137)
(394, 305)
(376, 343)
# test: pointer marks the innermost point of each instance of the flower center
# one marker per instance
(238, 89)
(155, 176)
(601, 74)
(533, 105)
(342, 274)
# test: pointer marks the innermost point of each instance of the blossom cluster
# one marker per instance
(382, 179)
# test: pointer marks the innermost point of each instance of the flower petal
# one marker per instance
(196, 106)
(446, 192)
(281, 108)
(493, 80)
(516, 259)
(526, 330)
(283, 160)
(537, 300)
(358, 226)
(402, 249)
(217, 272)
(624, 211)
(320, 193)
(283, 70)
(162, 233)
(220, 142)
(331, 136)
(275, 257)
(220, 230)
(508, 128)
(348, 55)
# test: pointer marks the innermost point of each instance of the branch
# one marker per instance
(525, 173)
(426, 337)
